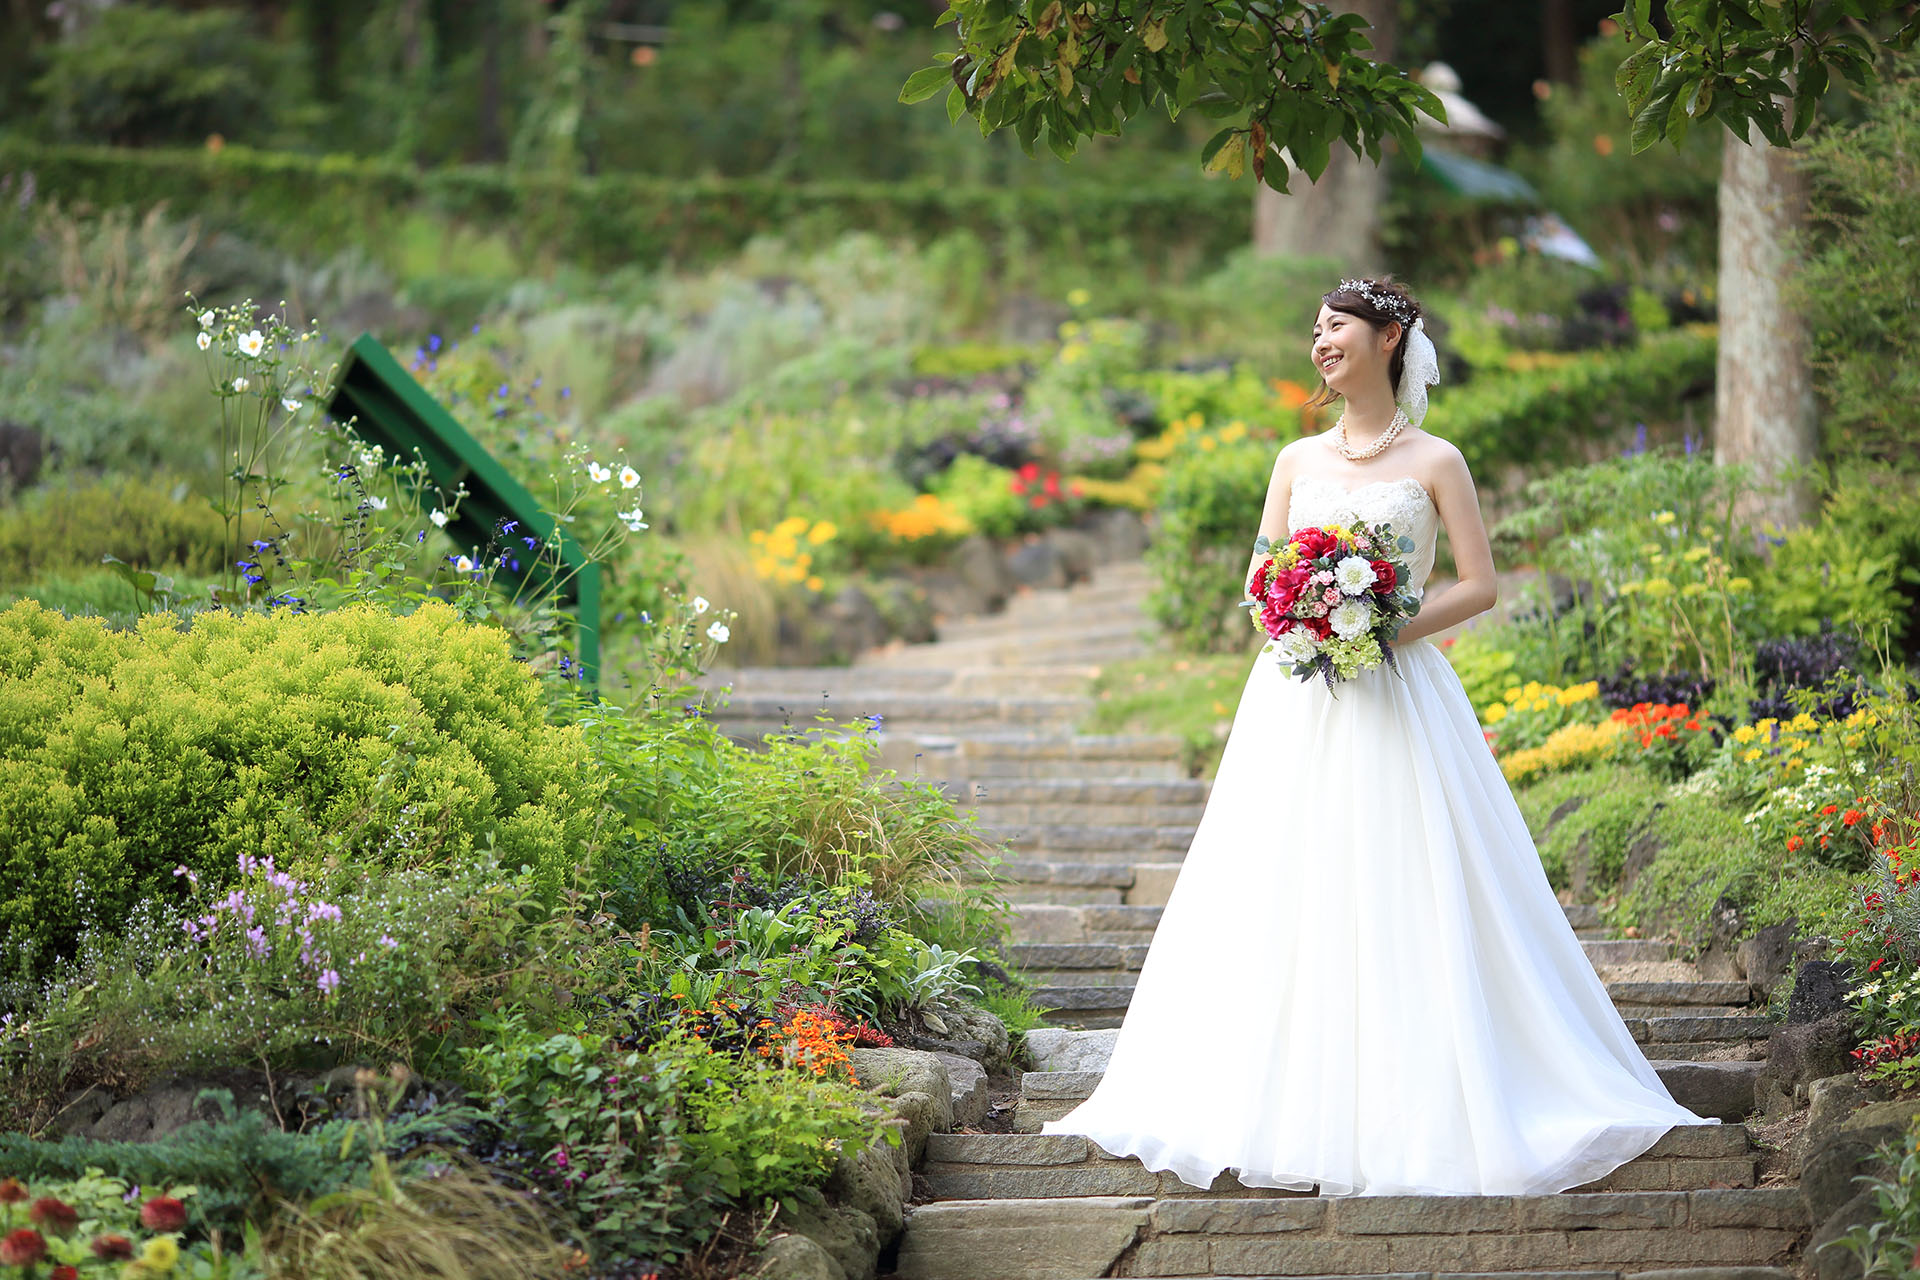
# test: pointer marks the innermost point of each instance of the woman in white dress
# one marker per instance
(1361, 979)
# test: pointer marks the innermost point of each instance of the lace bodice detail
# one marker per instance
(1402, 502)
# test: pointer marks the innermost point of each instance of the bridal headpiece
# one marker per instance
(1420, 365)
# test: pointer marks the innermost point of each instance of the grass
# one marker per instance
(1192, 697)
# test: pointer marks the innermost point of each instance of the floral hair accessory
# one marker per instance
(1397, 307)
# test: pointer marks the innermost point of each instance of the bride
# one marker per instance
(1361, 979)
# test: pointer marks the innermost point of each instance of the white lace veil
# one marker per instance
(1419, 369)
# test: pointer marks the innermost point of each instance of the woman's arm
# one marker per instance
(1273, 516)
(1476, 591)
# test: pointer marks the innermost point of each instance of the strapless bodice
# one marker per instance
(1402, 502)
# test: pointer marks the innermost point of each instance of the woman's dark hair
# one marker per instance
(1358, 304)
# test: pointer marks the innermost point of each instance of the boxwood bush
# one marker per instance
(392, 739)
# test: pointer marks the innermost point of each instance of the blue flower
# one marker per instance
(476, 327)
(420, 536)
(509, 526)
(533, 544)
(433, 342)
(252, 579)
(566, 393)
(514, 564)
(501, 392)
(646, 617)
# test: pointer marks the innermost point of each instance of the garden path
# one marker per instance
(1094, 828)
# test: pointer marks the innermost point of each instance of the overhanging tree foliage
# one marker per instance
(1288, 73)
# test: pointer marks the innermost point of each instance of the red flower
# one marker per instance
(112, 1248)
(11, 1192)
(1076, 489)
(22, 1248)
(55, 1216)
(1794, 843)
(1875, 966)
(1694, 725)
(1385, 577)
(1258, 587)
(1030, 472)
(1320, 627)
(1037, 501)
(163, 1213)
(1665, 731)
(1850, 817)
(1052, 484)
(65, 1271)
(1314, 543)
(1016, 486)
(1832, 808)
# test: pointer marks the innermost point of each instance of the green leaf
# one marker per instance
(924, 83)
(1649, 123)
(956, 105)
(1213, 146)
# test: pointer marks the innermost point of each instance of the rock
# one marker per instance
(951, 596)
(1066, 1049)
(795, 1257)
(908, 610)
(846, 1234)
(856, 623)
(1771, 1099)
(1818, 989)
(981, 567)
(1118, 534)
(918, 1087)
(878, 1181)
(1830, 1261)
(1037, 564)
(22, 453)
(1830, 1100)
(1565, 809)
(1766, 957)
(1641, 851)
(969, 1089)
(1721, 1089)
(1077, 552)
(1719, 960)
(971, 1022)
(1834, 1161)
(1802, 1052)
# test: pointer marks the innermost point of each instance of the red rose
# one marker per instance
(53, 1215)
(22, 1248)
(1314, 543)
(112, 1248)
(1384, 577)
(1258, 587)
(163, 1213)
(1319, 627)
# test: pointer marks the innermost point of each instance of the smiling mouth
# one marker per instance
(1327, 365)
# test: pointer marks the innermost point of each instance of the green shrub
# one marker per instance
(64, 526)
(355, 734)
(1855, 277)
(1858, 563)
(1210, 507)
(1599, 831)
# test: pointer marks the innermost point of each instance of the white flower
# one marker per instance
(599, 474)
(629, 477)
(239, 384)
(206, 321)
(438, 517)
(718, 631)
(251, 342)
(1353, 574)
(202, 340)
(1297, 645)
(699, 604)
(634, 523)
(1351, 618)
(464, 564)
(290, 404)
(376, 503)
(370, 458)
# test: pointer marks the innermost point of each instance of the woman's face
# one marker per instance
(1348, 351)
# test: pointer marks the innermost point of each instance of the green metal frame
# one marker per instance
(392, 410)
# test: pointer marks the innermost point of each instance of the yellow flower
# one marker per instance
(1495, 713)
(1513, 693)
(1208, 443)
(1694, 589)
(160, 1254)
(1657, 587)
(814, 583)
(757, 537)
(1802, 721)
(1194, 421)
(1697, 553)
(1752, 753)
(1630, 588)
(1233, 431)
(824, 531)
(1072, 352)
(1744, 734)
(1078, 297)
(1649, 548)
(1663, 517)
(1071, 329)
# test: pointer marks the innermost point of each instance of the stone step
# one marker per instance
(1123, 794)
(982, 757)
(902, 709)
(1064, 925)
(1037, 957)
(1066, 614)
(1111, 645)
(1714, 1089)
(1638, 1232)
(844, 683)
(1004, 815)
(1644, 999)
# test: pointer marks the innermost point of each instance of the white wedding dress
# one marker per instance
(1362, 979)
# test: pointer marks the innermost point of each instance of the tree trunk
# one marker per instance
(1559, 45)
(1338, 216)
(1764, 412)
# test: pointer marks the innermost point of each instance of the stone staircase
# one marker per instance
(1095, 828)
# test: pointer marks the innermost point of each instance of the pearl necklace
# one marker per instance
(1387, 437)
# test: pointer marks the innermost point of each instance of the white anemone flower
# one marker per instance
(239, 384)
(438, 517)
(289, 404)
(206, 319)
(376, 503)
(1297, 645)
(464, 564)
(251, 343)
(1353, 575)
(700, 604)
(718, 631)
(1351, 618)
(203, 340)
(632, 518)
(629, 477)
(599, 474)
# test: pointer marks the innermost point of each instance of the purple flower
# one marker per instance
(257, 946)
(433, 342)
(388, 941)
(329, 982)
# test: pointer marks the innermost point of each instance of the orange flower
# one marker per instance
(1794, 843)
(1850, 817)
(1832, 808)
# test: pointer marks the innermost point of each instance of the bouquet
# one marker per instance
(1329, 599)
